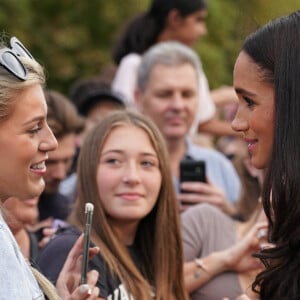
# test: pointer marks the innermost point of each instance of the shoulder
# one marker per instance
(196, 150)
(200, 220)
(202, 213)
(132, 59)
(60, 244)
(212, 156)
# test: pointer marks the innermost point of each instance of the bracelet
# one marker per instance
(200, 265)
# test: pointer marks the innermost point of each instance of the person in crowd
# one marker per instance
(25, 143)
(167, 92)
(222, 246)
(266, 79)
(19, 214)
(123, 171)
(166, 20)
(94, 99)
(65, 123)
(218, 251)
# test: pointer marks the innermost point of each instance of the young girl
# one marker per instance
(123, 170)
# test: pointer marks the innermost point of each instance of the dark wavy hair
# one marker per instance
(142, 31)
(275, 48)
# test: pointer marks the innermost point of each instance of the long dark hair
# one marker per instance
(142, 31)
(275, 48)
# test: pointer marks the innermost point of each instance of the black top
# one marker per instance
(53, 256)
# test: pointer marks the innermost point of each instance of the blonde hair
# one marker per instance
(11, 86)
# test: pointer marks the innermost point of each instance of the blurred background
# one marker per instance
(74, 38)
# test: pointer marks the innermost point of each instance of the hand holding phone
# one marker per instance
(89, 209)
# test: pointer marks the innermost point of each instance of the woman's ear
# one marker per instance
(174, 19)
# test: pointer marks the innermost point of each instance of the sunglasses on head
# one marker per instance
(9, 58)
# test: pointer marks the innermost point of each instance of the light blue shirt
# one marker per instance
(219, 170)
(16, 279)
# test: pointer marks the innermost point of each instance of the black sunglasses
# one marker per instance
(9, 58)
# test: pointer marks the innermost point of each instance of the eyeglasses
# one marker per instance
(9, 58)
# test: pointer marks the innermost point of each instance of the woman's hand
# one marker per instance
(239, 257)
(67, 285)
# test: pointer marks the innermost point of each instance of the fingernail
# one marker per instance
(85, 289)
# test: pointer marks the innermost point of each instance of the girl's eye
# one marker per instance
(112, 161)
(248, 101)
(147, 163)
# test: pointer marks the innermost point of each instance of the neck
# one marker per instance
(167, 35)
(126, 231)
(177, 149)
(23, 241)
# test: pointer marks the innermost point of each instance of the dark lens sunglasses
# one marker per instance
(9, 58)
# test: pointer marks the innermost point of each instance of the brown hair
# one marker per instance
(158, 236)
(62, 115)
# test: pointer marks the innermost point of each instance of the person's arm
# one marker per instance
(217, 127)
(224, 95)
(237, 258)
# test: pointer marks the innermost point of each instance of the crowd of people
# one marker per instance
(119, 146)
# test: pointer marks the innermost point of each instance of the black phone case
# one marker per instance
(192, 170)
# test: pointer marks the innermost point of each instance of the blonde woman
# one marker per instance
(25, 140)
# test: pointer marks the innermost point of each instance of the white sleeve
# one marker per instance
(124, 81)
(206, 106)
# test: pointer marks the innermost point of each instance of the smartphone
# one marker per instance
(89, 209)
(192, 171)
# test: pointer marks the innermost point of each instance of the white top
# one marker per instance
(124, 82)
(16, 278)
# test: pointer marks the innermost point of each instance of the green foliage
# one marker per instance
(74, 38)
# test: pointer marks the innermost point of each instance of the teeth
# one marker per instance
(39, 166)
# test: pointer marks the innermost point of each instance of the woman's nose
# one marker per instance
(131, 175)
(49, 142)
(239, 123)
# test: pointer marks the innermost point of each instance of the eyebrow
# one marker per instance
(35, 119)
(121, 152)
(244, 92)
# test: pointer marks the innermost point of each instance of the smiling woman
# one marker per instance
(31, 134)
(266, 77)
(123, 171)
(256, 109)
(25, 140)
